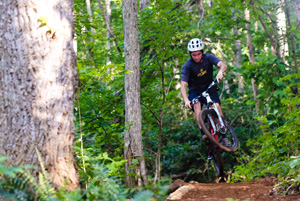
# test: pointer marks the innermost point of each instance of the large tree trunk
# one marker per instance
(38, 78)
(133, 117)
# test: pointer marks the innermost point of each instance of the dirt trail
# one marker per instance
(251, 191)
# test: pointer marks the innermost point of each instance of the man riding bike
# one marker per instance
(197, 74)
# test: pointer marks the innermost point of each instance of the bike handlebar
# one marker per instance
(195, 100)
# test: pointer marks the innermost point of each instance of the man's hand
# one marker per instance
(188, 104)
(220, 75)
(223, 68)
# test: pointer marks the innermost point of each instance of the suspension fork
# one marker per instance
(222, 128)
(212, 123)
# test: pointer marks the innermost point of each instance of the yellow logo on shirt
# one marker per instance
(201, 73)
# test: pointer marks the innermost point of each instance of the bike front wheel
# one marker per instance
(218, 137)
(217, 161)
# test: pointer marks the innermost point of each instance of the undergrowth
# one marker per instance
(17, 183)
(276, 153)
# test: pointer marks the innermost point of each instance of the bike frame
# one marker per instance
(211, 105)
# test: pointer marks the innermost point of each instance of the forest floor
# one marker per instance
(260, 190)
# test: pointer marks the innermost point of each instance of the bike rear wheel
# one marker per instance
(217, 140)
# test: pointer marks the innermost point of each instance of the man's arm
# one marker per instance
(183, 86)
(223, 68)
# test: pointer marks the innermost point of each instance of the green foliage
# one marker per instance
(104, 187)
(165, 28)
(21, 185)
(10, 171)
(162, 28)
(272, 150)
(143, 196)
(12, 184)
(268, 138)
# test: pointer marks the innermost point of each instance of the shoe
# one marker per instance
(210, 155)
(225, 142)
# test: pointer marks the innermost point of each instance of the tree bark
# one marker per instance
(238, 59)
(251, 58)
(38, 79)
(161, 115)
(200, 11)
(133, 150)
(297, 12)
(281, 27)
(287, 11)
(108, 34)
(273, 42)
(108, 27)
(89, 11)
(144, 4)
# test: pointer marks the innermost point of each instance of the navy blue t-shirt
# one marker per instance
(199, 75)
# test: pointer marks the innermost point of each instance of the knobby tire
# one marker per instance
(217, 161)
(204, 117)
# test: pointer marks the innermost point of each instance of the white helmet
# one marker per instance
(195, 45)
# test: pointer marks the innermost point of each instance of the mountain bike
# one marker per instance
(216, 128)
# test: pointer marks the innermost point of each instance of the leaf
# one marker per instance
(43, 20)
(249, 102)
(143, 196)
(294, 162)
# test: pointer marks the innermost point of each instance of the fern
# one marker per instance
(143, 196)
(43, 186)
(13, 185)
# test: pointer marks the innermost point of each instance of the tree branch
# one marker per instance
(200, 10)
(158, 121)
(108, 27)
(274, 45)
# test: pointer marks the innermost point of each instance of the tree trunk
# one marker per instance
(91, 39)
(108, 27)
(200, 11)
(133, 119)
(292, 36)
(158, 155)
(238, 59)
(143, 4)
(297, 12)
(38, 79)
(89, 11)
(108, 34)
(281, 27)
(251, 58)
(272, 40)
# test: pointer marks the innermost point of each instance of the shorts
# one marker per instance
(213, 95)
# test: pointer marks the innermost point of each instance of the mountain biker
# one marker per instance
(197, 74)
